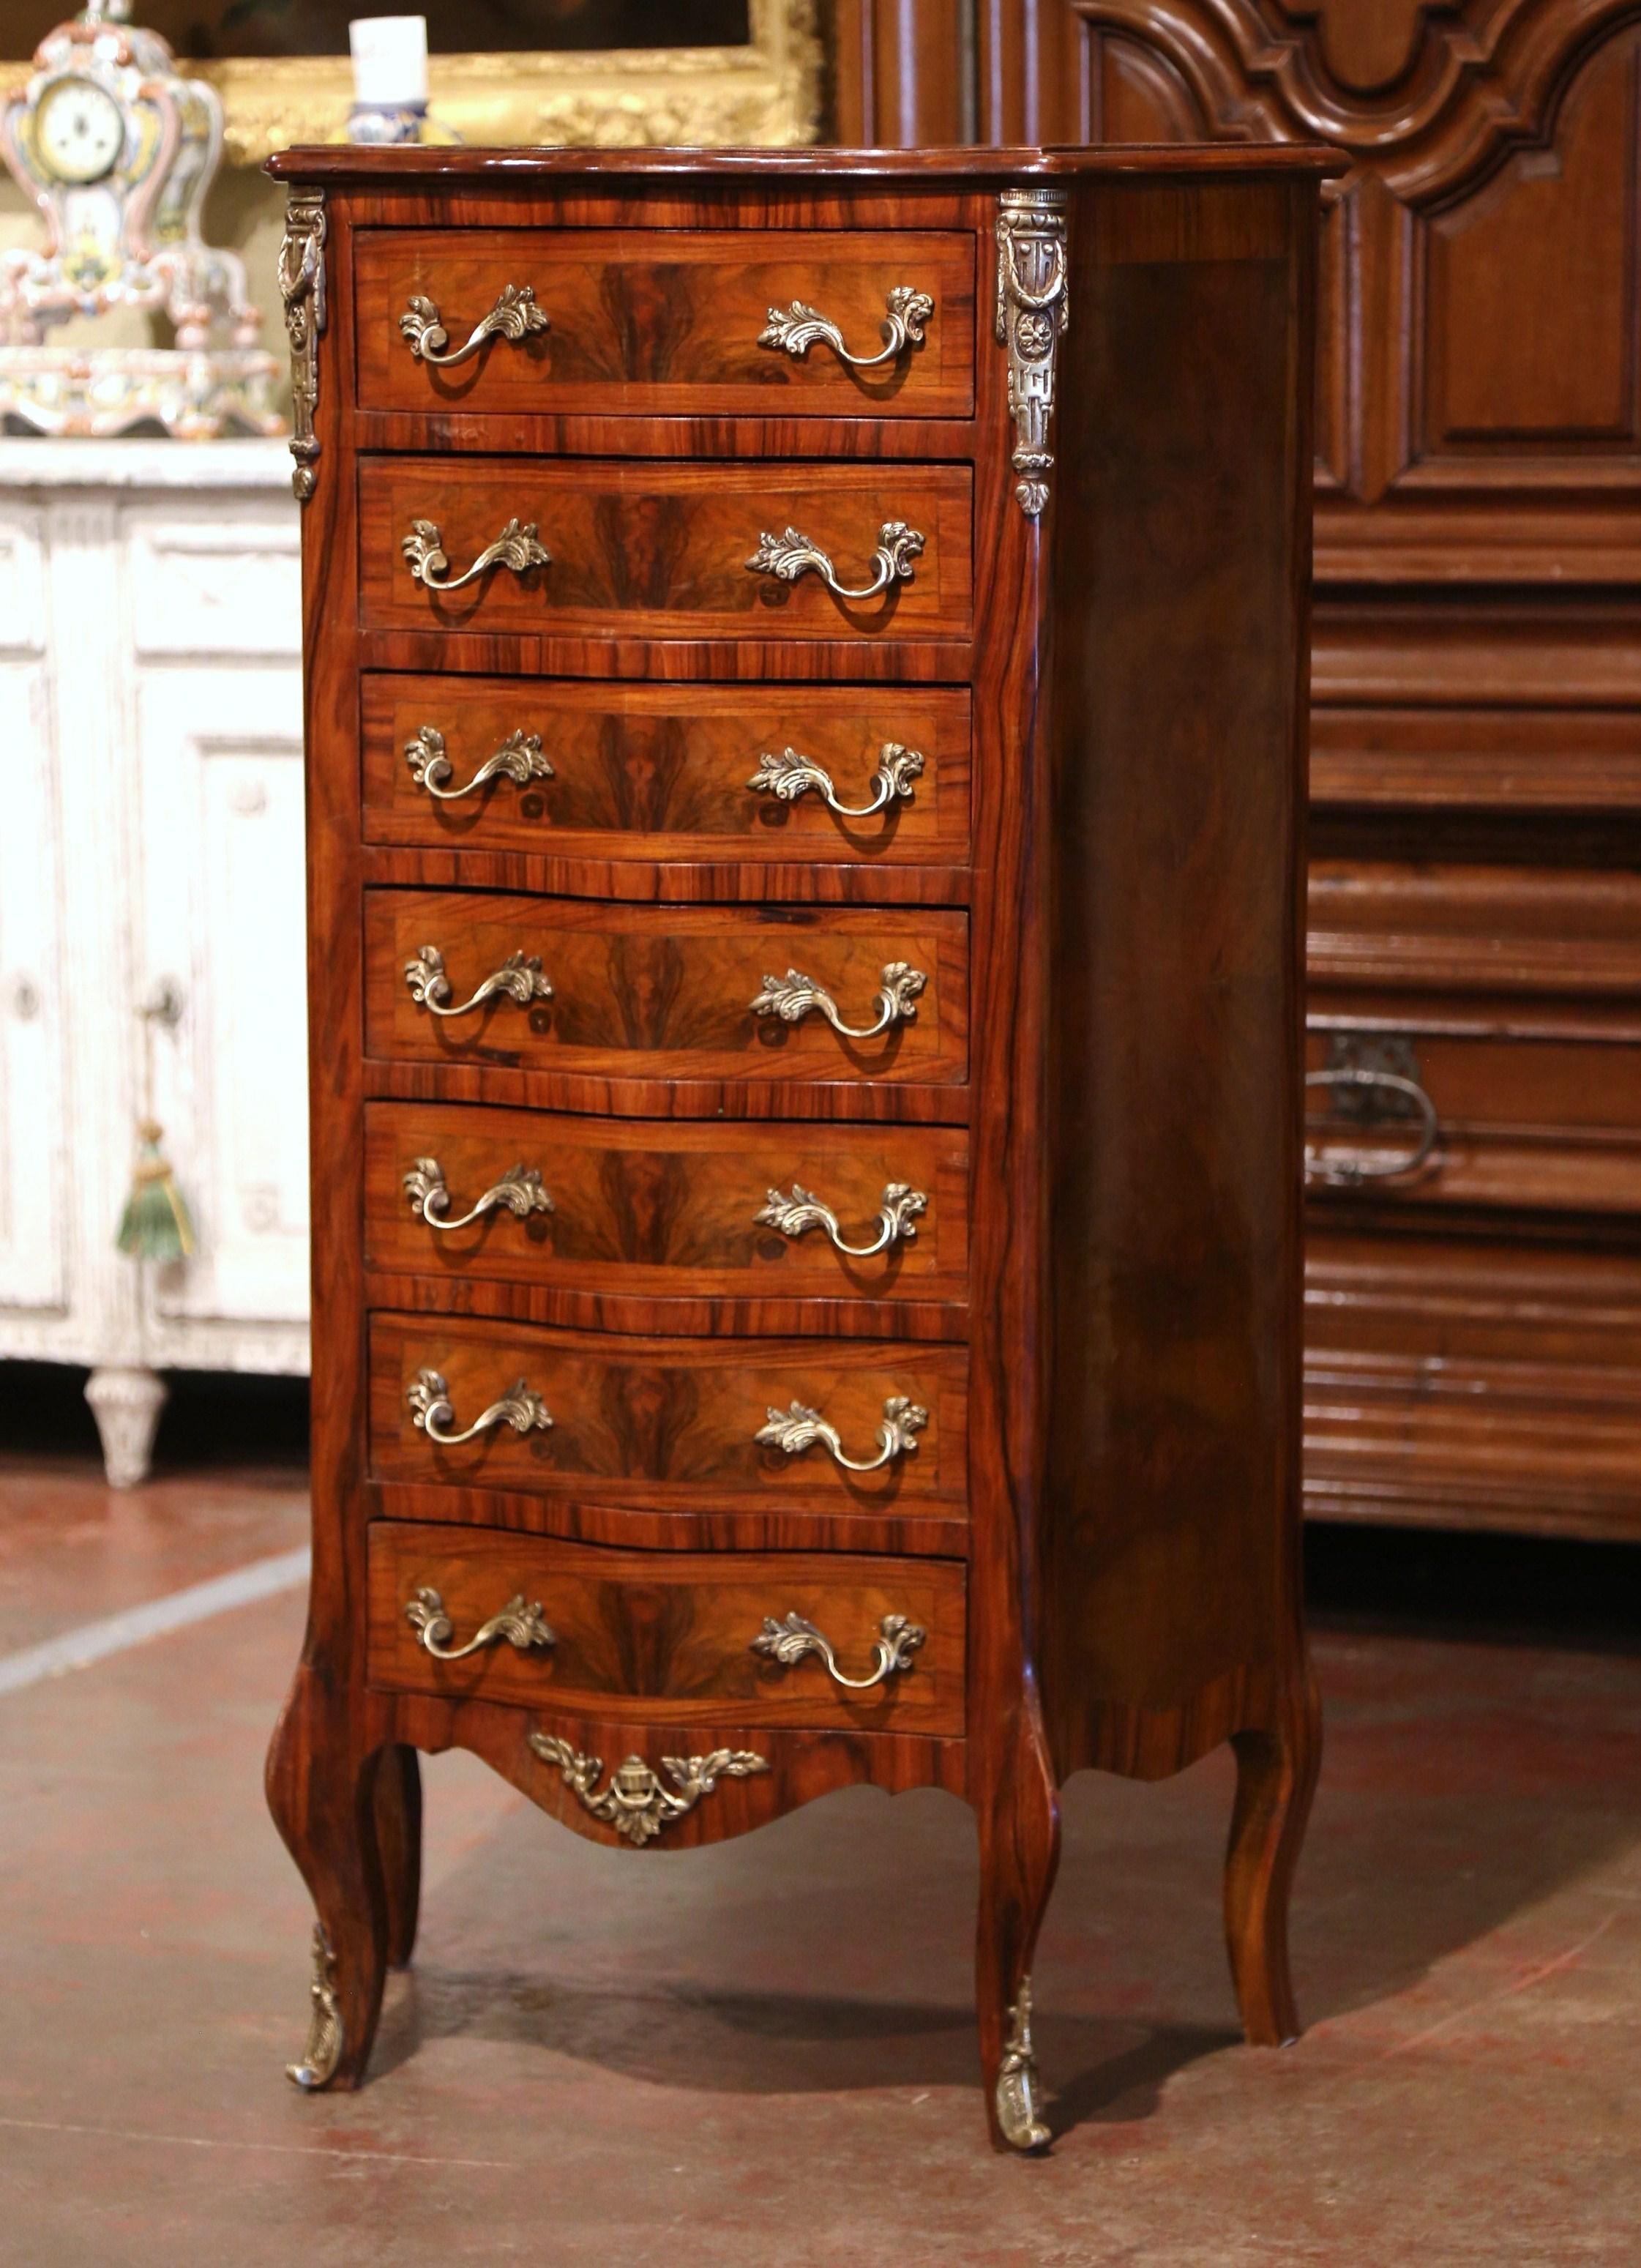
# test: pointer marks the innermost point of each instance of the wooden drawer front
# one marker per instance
(668, 1208)
(657, 325)
(666, 993)
(663, 772)
(1524, 1118)
(667, 1638)
(654, 550)
(663, 1421)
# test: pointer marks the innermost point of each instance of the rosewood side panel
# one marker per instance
(803, 916)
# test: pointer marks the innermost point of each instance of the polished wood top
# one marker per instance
(339, 163)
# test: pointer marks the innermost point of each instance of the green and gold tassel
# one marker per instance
(155, 1224)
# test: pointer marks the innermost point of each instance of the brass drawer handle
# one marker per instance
(794, 995)
(793, 330)
(519, 759)
(790, 1641)
(788, 557)
(520, 978)
(519, 1190)
(635, 1800)
(514, 316)
(897, 1217)
(1351, 1173)
(800, 1428)
(519, 1407)
(516, 549)
(789, 776)
(517, 1625)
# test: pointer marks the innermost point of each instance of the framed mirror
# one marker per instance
(610, 73)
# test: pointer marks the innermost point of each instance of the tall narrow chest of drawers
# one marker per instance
(804, 675)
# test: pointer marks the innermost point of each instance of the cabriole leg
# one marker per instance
(1019, 1851)
(1276, 1779)
(327, 1802)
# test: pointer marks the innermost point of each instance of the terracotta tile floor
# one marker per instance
(761, 2053)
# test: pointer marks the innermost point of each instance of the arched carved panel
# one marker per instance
(1528, 287)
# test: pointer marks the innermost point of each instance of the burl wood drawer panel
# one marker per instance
(649, 548)
(667, 771)
(673, 992)
(1523, 1118)
(595, 1205)
(662, 1422)
(597, 320)
(667, 1637)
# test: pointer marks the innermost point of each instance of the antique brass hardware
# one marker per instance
(788, 557)
(636, 1802)
(516, 1626)
(519, 1407)
(897, 1217)
(793, 330)
(1375, 1081)
(1032, 308)
(1018, 2091)
(792, 996)
(516, 547)
(514, 316)
(788, 775)
(800, 1428)
(519, 1191)
(323, 2051)
(519, 759)
(795, 1638)
(519, 979)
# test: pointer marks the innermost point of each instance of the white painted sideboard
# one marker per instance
(151, 745)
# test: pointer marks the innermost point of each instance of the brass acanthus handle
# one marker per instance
(793, 330)
(635, 1800)
(788, 775)
(514, 316)
(800, 1428)
(792, 1640)
(519, 979)
(788, 557)
(516, 549)
(792, 996)
(517, 1625)
(897, 1217)
(1351, 1173)
(519, 1191)
(519, 759)
(519, 1407)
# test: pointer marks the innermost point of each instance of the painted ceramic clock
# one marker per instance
(116, 149)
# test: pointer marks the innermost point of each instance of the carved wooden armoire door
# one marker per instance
(1474, 1322)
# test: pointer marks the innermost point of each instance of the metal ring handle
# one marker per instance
(787, 557)
(794, 995)
(517, 1625)
(798, 1428)
(514, 316)
(793, 1640)
(519, 1407)
(789, 776)
(516, 547)
(793, 330)
(519, 1190)
(1351, 1173)
(897, 1217)
(519, 759)
(519, 979)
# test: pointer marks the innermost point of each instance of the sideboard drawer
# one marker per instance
(668, 771)
(1533, 1117)
(653, 550)
(846, 1425)
(601, 320)
(772, 1208)
(667, 1638)
(673, 992)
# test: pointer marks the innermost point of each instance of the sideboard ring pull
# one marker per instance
(1351, 1172)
